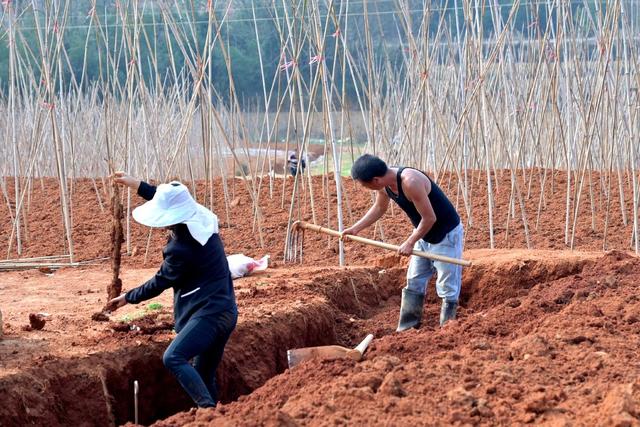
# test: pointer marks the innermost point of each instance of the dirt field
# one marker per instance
(545, 336)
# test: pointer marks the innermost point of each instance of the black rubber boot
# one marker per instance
(448, 311)
(410, 310)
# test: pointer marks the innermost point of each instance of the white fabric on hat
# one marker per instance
(172, 204)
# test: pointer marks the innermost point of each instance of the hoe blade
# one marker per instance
(298, 355)
(323, 352)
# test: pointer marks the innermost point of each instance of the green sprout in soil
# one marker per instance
(154, 306)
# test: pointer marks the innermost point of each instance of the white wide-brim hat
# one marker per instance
(172, 204)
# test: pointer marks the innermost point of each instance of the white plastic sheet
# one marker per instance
(241, 265)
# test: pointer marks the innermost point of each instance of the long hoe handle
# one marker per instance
(362, 347)
(357, 353)
(428, 255)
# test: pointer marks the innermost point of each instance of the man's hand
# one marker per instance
(352, 231)
(116, 303)
(406, 248)
(122, 178)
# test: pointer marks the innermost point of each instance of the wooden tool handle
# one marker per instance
(362, 347)
(428, 255)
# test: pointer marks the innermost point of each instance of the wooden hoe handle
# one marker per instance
(428, 255)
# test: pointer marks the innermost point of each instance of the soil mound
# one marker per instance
(543, 336)
(563, 350)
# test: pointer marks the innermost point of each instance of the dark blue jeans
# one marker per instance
(202, 339)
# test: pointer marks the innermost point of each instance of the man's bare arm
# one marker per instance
(374, 213)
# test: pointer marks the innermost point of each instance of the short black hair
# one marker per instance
(367, 167)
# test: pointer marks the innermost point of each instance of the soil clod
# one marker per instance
(100, 317)
(37, 321)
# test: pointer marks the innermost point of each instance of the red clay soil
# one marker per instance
(563, 351)
(44, 234)
(545, 336)
(83, 366)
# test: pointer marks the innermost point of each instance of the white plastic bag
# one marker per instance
(241, 265)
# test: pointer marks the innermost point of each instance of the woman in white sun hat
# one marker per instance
(195, 266)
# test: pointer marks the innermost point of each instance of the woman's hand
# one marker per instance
(122, 178)
(116, 303)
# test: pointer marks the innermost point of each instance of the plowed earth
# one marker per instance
(545, 335)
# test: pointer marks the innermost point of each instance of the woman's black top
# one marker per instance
(199, 275)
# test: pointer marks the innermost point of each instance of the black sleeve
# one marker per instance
(171, 270)
(303, 163)
(146, 191)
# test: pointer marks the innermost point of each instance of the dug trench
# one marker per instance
(548, 338)
(291, 308)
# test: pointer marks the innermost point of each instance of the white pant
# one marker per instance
(449, 279)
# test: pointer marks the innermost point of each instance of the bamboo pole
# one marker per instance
(15, 215)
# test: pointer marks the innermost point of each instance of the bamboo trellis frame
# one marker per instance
(524, 102)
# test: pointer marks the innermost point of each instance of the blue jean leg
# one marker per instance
(449, 276)
(197, 337)
(420, 270)
(207, 363)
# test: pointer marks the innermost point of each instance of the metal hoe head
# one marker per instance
(294, 244)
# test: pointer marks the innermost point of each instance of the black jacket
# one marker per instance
(199, 275)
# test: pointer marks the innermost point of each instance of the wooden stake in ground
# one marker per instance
(117, 238)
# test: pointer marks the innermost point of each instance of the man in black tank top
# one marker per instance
(437, 229)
